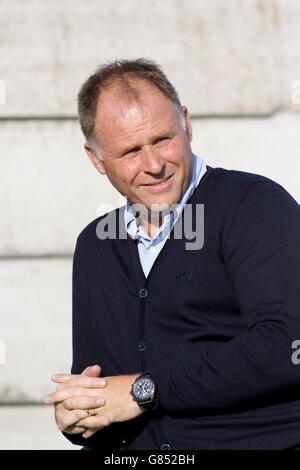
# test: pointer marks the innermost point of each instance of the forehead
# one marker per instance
(122, 106)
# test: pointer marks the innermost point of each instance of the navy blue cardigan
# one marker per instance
(213, 326)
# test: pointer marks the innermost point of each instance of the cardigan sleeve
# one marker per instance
(260, 245)
(84, 353)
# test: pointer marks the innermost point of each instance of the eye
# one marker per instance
(162, 140)
(131, 152)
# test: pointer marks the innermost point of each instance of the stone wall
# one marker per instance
(235, 64)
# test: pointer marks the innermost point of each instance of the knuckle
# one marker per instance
(80, 414)
(81, 423)
(72, 382)
(59, 387)
(68, 404)
(59, 413)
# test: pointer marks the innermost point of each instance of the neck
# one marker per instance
(153, 224)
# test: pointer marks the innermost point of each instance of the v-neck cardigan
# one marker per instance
(213, 326)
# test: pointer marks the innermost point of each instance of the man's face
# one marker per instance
(143, 144)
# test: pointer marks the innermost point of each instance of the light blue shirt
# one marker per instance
(148, 247)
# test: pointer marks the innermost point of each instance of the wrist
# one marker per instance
(143, 391)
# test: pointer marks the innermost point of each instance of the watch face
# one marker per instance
(144, 389)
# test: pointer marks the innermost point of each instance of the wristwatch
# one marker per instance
(143, 390)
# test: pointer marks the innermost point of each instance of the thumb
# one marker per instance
(92, 371)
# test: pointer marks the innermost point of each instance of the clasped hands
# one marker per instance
(85, 403)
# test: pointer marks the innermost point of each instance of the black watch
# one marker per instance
(143, 390)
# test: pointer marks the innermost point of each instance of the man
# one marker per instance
(193, 339)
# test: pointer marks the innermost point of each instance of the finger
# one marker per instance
(60, 378)
(83, 403)
(96, 421)
(74, 430)
(90, 432)
(69, 392)
(82, 381)
(92, 371)
(72, 418)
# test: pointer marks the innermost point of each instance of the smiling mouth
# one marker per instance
(160, 182)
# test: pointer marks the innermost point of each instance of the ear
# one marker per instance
(94, 159)
(189, 129)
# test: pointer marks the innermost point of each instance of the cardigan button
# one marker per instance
(165, 447)
(141, 346)
(143, 293)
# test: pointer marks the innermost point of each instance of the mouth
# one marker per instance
(161, 185)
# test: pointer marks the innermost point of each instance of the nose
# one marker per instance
(151, 160)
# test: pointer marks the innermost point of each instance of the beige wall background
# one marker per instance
(236, 66)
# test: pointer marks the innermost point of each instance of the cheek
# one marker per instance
(174, 153)
(129, 170)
